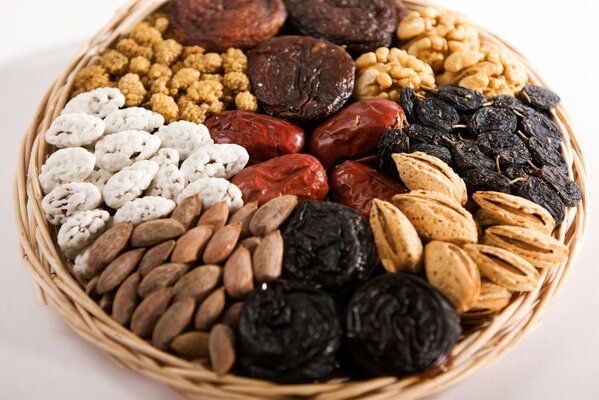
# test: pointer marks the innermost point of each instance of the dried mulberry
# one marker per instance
(246, 101)
(114, 62)
(130, 48)
(167, 51)
(146, 35)
(166, 106)
(234, 60)
(205, 91)
(91, 77)
(183, 79)
(236, 82)
(140, 65)
(133, 89)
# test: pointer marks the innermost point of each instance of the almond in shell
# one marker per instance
(188, 212)
(118, 270)
(172, 323)
(155, 257)
(272, 214)
(149, 311)
(221, 346)
(191, 345)
(156, 231)
(492, 299)
(238, 277)
(125, 299)
(107, 247)
(191, 245)
(161, 277)
(198, 283)
(267, 259)
(210, 310)
(222, 243)
(216, 216)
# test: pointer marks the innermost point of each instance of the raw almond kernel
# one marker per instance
(172, 323)
(216, 216)
(231, 317)
(222, 244)
(210, 310)
(251, 243)
(160, 277)
(118, 270)
(107, 247)
(244, 216)
(198, 283)
(125, 299)
(153, 232)
(149, 311)
(238, 277)
(221, 346)
(106, 302)
(268, 258)
(492, 299)
(191, 345)
(90, 287)
(188, 211)
(155, 257)
(272, 214)
(191, 245)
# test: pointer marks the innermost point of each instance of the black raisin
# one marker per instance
(391, 142)
(510, 103)
(535, 124)
(518, 171)
(424, 134)
(408, 101)
(437, 113)
(544, 153)
(539, 97)
(493, 119)
(467, 155)
(329, 246)
(480, 179)
(397, 324)
(509, 147)
(461, 98)
(567, 189)
(288, 332)
(440, 152)
(536, 190)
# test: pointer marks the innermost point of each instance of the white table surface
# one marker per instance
(41, 357)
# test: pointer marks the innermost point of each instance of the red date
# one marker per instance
(264, 137)
(354, 132)
(356, 185)
(298, 174)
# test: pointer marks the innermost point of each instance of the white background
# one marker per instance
(41, 357)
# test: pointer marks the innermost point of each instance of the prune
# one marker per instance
(437, 113)
(518, 171)
(535, 124)
(328, 246)
(539, 97)
(355, 131)
(544, 153)
(298, 174)
(262, 136)
(467, 155)
(424, 134)
(480, 179)
(442, 153)
(397, 324)
(391, 142)
(408, 101)
(564, 186)
(493, 119)
(536, 190)
(362, 26)
(355, 185)
(288, 332)
(461, 98)
(301, 78)
(217, 25)
(510, 103)
(510, 148)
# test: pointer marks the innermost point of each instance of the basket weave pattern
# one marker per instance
(57, 287)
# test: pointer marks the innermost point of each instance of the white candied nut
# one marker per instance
(166, 156)
(115, 152)
(80, 230)
(68, 199)
(134, 118)
(99, 177)
(80, 265)
(129, 183)
(99, 102)
(215, 161)
(168, 183)
(75, 130)
(185, 137)
(144, 209)
(73, 164)
(212, 191)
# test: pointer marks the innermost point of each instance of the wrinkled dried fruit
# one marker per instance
(437, 113)
(408, 101)
(534, 189)
(539, 97)
(467, 155)
(536, 124)
(442, 153)
(510, 103)
(462, 99)
(544, 153)
(509, 147)
(567, 189)
(485, 179)
(493, 119)
(391, 142)
(424, 134)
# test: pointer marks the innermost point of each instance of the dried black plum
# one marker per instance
(493, 119)
(518, 171)
(536, 190)
(424, 134)
(301, 78)
(391, 142)
(461, 98)
(567, 189)
(536, 124)
(467, 155)
(510, 103)
(544, 153)
(510, 148)
(485, 179)
(397, 324)
(539, 97)
(437, 113)
(329, 246)
(440, 152)
(288, 332)
(408, 101)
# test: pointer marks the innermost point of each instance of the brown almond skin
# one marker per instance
(188, 212)
(148, 312)
(231, 317)
(222, 244)
(238, 276)
(210, 310)
(172, 323)
(244, 216)
(90, 287)
(272, 214)
(198, 283)
(191, 345)
(106, 302)
(221, 345)
(160, 277)
(107, 247)
(125, 299)
(191, 245)
(118, 270)
(268, 258)
(251, 243)
(216, 216)
(156, 256)
(156, 231)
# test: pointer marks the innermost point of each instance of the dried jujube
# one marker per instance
(462, 99)
(391, 142)
(437, 113)
(288, 332)
(539, 97)
(479, 179)
(493, 119)
(397, 324)
(535, 189)
(328, 246)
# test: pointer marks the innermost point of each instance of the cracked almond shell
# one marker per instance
(492, 299)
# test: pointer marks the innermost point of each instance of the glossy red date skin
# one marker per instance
(356, 185)
(355, 131)
(264, 137)
(298, 174)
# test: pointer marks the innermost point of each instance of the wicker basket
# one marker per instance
(57, 287)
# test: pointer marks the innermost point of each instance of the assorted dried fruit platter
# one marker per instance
(360, 198)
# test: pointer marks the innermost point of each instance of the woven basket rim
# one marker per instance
(57, 287)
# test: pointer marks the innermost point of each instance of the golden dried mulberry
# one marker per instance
(176, 67)
(234, 60)
(91, 77)
(246, 101)
(209, 63)
(133, 89)
(140, 65)
(146, 35)
(205, 91)
(216, 107)
(162, 23)
(130, 48)
(167, 51)
(211, 77)
(160, 85)
(183, 79)
(236, 82)
(193, 113)
(114, 62)
(189, 50)
(165, 105)
(159, 70)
